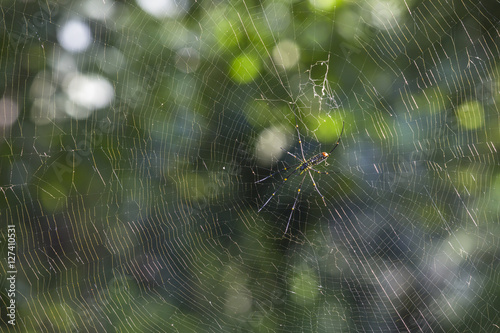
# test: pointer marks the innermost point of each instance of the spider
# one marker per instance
(302, 167)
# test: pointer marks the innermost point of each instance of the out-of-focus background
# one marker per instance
(134, 134)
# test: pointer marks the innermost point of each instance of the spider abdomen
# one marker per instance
(315, 160)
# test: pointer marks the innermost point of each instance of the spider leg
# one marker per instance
(300, 140)
(278, 171)
(286, 151)
(294, 203)
(338, 141)
(316, 187)
(277, 189)
(320, 172)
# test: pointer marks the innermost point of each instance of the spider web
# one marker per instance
(134, 135)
